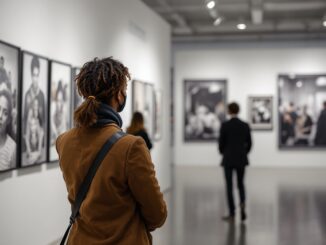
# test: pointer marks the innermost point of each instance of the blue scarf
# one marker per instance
(106, 115)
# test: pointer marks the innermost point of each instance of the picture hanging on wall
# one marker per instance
(34, 135)
(143, 101)
(60, 105)
(261, 112)
(302, 111)
(158, 115)
(204, 109)
(9, 105)
(77, 99)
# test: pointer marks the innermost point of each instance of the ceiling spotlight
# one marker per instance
(324, 23)
(218, 21)
(241, 26)
(299, 84)
(210, 4)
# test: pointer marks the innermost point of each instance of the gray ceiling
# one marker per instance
(265, 19)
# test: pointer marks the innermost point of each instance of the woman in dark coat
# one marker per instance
(137, 128)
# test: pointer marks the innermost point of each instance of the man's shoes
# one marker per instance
(228, 218)
(243, 213)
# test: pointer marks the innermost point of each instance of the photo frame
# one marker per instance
(10, 89)
(260, 112)
(34, 117)
(143, 101)
(77, 99)
(60, 104)
(302, 111)
(204, 109)
(158, 114)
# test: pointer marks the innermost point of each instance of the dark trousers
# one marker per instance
(228, 172)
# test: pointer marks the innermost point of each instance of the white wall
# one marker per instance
(33, 207)
(251, 69)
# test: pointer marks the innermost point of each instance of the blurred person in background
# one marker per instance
(234, 145)
(137, 128)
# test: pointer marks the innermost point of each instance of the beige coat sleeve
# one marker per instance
(144, 185)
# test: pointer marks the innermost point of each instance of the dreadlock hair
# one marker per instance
(98, 81)
(137, 123)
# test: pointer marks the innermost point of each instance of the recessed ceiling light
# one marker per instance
(241, 26)
(321, 81)
(218, 21)
(299, 84)
(210, 4)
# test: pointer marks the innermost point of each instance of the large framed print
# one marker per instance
(204, 109)
(60, 104)
(158, 110)
(143, 101)
(9, 106)
(302, 110)
(34, 135)
(260, 112)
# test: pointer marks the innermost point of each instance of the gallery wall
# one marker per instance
(33, 206)
(251, 69)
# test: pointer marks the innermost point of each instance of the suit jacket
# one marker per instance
(124, 202)
(235, 143)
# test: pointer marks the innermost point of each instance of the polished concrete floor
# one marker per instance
(285, 207)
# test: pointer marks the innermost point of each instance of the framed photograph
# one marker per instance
(302, 110)
(143, 101)
(9, 106)
(260, 112)
(34, 135)
(77, 99)
(60, 104)
(158, 110)
(204, 109)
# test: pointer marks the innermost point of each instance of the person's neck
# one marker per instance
(233, 116)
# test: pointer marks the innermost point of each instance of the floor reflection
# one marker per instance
(285, 207)
(232, 238)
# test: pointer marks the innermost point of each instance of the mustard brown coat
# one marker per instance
(124, 203)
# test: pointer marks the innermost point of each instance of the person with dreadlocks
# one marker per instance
(124, 202)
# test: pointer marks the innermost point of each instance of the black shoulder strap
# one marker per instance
(83, 189)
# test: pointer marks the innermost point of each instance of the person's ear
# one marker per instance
(119, 96)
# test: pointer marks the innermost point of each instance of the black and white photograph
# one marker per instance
(302, 110)
(143, 101)
(34, 111)
(9, 90)
(60, 105)
(205, 109)
(260, 112)
(158, 110)
(77, 98)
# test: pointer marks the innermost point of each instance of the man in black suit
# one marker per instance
(234, 145)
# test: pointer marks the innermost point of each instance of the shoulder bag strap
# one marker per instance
(83, 189)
